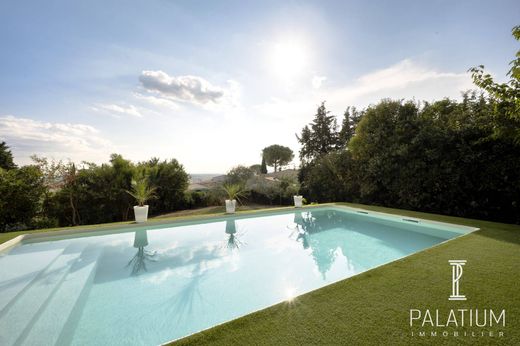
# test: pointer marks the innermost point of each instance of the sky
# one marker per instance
(211, 83)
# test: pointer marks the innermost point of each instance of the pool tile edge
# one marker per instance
(12, 242)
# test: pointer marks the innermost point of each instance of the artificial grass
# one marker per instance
(373, 308)
(214, 210)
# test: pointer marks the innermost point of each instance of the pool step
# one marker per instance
(28, 303)
(17, 274)
(51, 322)
(67, 332)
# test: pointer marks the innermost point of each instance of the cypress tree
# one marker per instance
(263, 167)
(351, 118)
(6, 157)
(321, 137)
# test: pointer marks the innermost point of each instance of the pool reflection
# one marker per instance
(138, 262)
(308, 225)
(233, 241)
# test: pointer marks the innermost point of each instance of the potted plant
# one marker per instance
(234, 193)
(142, 192)
(289, 186)
(298, 201)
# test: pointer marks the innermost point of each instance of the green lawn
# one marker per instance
(373, 308)
(213, 210)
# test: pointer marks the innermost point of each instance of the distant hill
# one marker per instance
(288, 172)
(219, 179)
(199, 182)
(198, 178)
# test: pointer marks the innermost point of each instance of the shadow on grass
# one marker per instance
(511, 235)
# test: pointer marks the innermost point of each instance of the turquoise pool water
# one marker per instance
(146, 286)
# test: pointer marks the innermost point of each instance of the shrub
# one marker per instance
(239, 175)
(171, 182)
(21, 197)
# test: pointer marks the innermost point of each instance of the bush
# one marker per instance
(44, 222)
(330, 178)
(171, 181)
(97, 193)
(443, 158)
(201, 199)
(239, 175)
(263, 191)
(21, 197)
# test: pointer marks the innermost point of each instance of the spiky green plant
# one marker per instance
(141, 191)
(234, 191)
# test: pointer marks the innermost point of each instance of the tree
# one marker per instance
(52, 193)
(21, 196)
(171, 182)
(122, 172)
(321, 138)
(6, 157)
(94, 193)
(257, 169)
(506, 95)
(381, 148)
(332, 178)
(442, 157)
(263, 166)
(277, 156)
(288, 186)
(351, 118)
(59, 176)
(239, 175)
(70, 176)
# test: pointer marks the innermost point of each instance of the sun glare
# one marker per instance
(288, 59)
(290, 293)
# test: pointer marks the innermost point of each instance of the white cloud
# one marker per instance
(317, 81)
(406, 79)
(190, 89)
(157, 101)
(77, 142)
(402, 74)
(117, 110)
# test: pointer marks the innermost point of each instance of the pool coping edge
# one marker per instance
(100, 230)
(12, 242)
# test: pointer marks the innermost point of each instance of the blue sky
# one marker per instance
(213, 82)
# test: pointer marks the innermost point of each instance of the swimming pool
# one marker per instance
(148, 285)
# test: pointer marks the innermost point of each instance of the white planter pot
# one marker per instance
(298, 201)
(230, 206)
(141, 213)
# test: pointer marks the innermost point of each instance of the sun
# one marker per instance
(288, 58)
